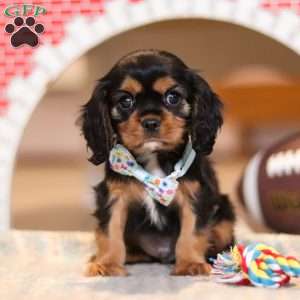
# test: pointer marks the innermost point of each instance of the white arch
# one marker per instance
(83, 33)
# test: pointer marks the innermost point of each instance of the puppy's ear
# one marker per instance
(206, 115)
(96, 125)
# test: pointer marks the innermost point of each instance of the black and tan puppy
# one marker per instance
(152, 103)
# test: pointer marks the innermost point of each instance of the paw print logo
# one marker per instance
(24, 33)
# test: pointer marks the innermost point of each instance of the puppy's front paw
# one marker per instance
(100, 269)
(191, 269)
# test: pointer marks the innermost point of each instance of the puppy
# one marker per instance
(154, 105)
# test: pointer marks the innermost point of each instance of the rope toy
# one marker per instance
(256, 264)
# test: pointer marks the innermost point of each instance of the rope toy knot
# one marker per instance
(256, 264)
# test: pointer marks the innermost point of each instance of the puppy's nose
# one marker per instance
(151, 124)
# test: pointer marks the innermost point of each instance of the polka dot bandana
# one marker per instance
(161, 189)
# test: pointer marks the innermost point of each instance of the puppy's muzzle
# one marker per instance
(151, 125)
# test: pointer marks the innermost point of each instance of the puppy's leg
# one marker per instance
(221, 235)
(111, 252)
(191, 244)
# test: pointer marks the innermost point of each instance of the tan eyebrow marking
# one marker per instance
(131, 85)
(162, 84)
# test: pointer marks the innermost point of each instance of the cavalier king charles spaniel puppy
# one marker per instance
(153, 121)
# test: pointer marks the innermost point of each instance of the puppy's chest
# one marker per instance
(146, 210)
(151, 165)
(156, 215)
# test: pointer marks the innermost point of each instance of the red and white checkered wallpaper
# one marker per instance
(16, 61)
(277, 5)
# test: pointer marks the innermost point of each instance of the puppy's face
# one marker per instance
(149, 106)
(151, 101)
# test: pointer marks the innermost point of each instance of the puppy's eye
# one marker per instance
(126, 102)
(172, 98)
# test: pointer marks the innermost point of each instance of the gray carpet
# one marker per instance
(50, 265)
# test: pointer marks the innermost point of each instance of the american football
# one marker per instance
(270, 186)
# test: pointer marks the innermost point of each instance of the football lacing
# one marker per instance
(283, 163)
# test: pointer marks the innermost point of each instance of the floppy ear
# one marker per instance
(206, 116)
(96, 125)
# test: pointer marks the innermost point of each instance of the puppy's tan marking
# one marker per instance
(131, 131)
(191, 245)
(131, 85)
(171, 132)
(222, 235)
(111, 252)
(134, 191)
(130, 191)
(161, 85)
(189, 189)
(98, 265)
(172, 129)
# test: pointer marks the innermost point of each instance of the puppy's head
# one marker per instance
(150, 101)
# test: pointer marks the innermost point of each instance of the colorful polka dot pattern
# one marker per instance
(161, 189)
